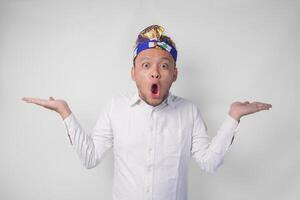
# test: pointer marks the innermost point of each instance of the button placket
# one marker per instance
(149, 167)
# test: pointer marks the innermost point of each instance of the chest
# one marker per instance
(167, 131)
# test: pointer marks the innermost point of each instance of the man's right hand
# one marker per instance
(60, 106)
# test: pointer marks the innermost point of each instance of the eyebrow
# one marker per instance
(165, 58)
(147, 57)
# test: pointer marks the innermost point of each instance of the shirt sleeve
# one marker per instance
(91, 147)
(209, 154)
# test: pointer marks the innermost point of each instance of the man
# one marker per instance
(153, 132)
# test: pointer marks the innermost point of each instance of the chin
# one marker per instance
(153, 98)
(154, 102)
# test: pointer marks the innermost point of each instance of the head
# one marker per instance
(154, 68)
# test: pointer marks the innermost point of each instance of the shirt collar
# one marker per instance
(135, 99)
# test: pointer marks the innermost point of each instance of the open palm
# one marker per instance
(239, 109)
(58, 105)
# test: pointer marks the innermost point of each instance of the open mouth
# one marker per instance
(155, 90)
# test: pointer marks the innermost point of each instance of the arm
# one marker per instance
(90, 148)
(210, 155)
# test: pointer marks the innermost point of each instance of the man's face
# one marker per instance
(154, 72)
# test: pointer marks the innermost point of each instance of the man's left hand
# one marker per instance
(239, 109)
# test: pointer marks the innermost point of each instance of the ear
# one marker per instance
(175, 74)
(133, 73)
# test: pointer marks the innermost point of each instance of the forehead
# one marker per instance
(154, 53)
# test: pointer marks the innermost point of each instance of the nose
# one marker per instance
(155, 74)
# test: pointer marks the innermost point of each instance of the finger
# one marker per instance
(27, 99)
(269, 105)
(51, 98)
(263, 106)
(37, 101)
(24, 98)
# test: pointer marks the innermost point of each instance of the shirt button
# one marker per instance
(150, 149)
(151, 127)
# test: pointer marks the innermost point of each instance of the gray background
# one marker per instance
(81, 51)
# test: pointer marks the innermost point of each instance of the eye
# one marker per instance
(165, 66)
(146, 65)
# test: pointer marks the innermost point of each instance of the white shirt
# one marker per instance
(151, 145)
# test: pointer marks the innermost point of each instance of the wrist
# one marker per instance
(235, 116)
(64, 113)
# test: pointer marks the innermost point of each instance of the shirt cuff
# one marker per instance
(67, 119)
(225, 135)
(229, 127)
(233, 123)
(70, 124)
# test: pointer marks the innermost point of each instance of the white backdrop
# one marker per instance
(81, 51)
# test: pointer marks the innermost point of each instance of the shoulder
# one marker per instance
(186, 105)
(123, 99)
(183, 102)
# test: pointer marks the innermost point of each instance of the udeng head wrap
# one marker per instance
(152, 37)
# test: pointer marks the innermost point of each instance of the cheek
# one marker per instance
(141, 79)
(142, 75)
(168, 77)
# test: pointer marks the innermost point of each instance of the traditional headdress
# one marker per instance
(152, 37)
